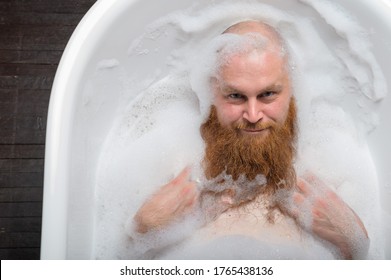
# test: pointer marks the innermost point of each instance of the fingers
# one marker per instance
(310, 176)
(311, 185)
(331, 218)
(188, 194)
(297, 206)
(314, 181)
(182, 177)
(303, 187)
(298, 198)
(178, 184)
(170, 202)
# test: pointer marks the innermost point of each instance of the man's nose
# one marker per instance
(253, 111)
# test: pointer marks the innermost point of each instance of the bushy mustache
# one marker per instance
(245, 124)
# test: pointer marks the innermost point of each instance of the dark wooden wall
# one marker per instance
(33, 35)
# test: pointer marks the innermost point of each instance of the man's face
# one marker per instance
(253, 92)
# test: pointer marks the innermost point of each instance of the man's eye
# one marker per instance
(268, 94)
(235, 96)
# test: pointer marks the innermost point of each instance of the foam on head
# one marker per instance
(269, 35)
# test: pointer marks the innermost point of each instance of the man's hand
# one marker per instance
(319, 209)
(170, 202)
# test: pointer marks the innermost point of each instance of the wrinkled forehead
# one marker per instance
(254, 66)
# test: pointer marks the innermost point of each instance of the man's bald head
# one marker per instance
(249, 26)
(275, 41)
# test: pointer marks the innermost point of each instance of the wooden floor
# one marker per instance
(33, 35)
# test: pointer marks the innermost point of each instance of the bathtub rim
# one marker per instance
(55, 193)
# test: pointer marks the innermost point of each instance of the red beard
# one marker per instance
(229, 151)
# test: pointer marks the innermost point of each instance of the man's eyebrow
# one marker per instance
(230, 88)
(274, 87)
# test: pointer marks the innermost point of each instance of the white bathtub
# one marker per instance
(75, 132)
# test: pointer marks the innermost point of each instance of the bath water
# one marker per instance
(337, 83)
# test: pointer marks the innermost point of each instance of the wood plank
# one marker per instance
(47, 6)
(49, 38)
(8, 82)
(7, 108)
(27, 82)
(10, 42)
(31, 57)
(22, 151)
(13, 137)
(23, 129)
(7, 128)
(21, 194)
(21, 224)
(20, 239)
(33, 102)
(39, 18)
(20, 209)
(21, 179)
(32, 82)
(31, 130)
(20, 254)
(7, 102)
(21, 165)
(26, 37)
(18, 69)
(8, 95)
